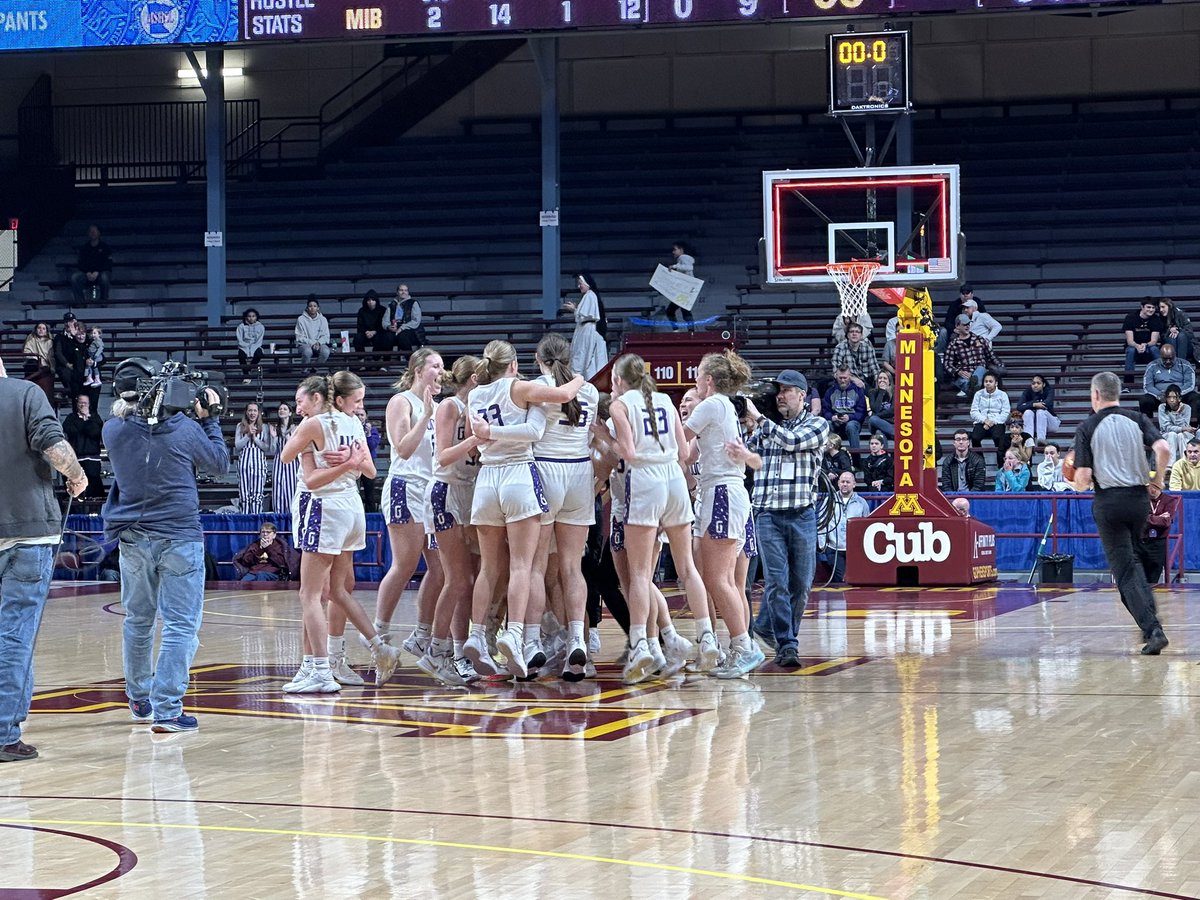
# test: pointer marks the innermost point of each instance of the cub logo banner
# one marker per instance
(883, 542)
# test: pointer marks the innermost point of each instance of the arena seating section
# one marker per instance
(1072, 212)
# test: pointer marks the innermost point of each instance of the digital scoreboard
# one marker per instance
(264, 20)
(868, 73)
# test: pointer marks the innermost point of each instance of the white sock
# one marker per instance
(517, 630)
(636, 633)
(533, 633)
(336, 645)
(307, 663)
(576, 626)
(321, 662)
(479, 631)
(741, 642)
(703, 627)
(383, 627)
(376, 642)
(424, 629)
(668, 632)
(439, 647)
(458, 647)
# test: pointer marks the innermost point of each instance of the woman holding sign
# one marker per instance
(685, 264)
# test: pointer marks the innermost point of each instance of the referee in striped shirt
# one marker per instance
(1110, 453)
(785, 518)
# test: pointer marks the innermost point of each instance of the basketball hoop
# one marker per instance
(853, 280)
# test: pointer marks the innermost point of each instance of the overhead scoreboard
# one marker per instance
(49, 24)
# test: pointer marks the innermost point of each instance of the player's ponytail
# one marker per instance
(555, 353)
(632, 370)
(317, 386)
(497, 357)
(728, 370)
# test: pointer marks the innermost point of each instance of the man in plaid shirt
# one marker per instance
(785, 518)
(968, 357)
(858, 356)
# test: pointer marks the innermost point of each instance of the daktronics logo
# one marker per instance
(883, 543)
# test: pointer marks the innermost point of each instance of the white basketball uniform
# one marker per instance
(656, 493)
(564, 460)
(407, 482)
(724, 503)
(509, 488)
(330, 519)
(448, 500)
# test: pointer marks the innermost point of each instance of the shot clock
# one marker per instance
(868, 73)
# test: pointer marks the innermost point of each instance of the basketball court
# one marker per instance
(957, 742)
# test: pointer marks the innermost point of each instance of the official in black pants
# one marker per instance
(1110, 454)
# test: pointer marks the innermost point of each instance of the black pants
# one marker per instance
(673, 310)
(369, 491)
(1120, 515)
(1152, 556)
(997, 433)
(249, 361)
(382, 341)
(94, 492)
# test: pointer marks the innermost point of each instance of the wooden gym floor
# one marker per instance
(996, 743)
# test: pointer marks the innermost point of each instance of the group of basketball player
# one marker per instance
(494, 480)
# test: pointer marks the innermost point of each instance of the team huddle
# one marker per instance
(494, 481)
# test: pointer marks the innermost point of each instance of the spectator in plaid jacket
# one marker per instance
(858, 356)
(968, 357)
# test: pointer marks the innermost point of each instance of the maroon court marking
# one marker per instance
(893, 854)
(126, 860)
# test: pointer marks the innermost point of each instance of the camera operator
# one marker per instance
(30, 528)
(154, 510)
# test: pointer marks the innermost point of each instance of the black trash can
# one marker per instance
(1057, 568)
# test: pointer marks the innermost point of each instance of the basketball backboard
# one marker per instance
(907, 217)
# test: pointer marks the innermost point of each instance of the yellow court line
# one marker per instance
(455, 845)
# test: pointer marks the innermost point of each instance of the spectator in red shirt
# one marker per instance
(266, 558)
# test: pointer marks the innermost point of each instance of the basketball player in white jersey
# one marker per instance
(448, 519)
(410, 432)
(650, 439)
(724, 505)
(509, 500)
(329, 523)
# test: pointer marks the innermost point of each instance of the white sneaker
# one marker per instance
(476, 651)
(575, 666)
(709, 655)
(466, 671)
(514, 655)
(660, 661)
(640, 663)
(385, 636)
(387, 658)
(535, 658)
(589, 670)
(319, 681)
(678, 649)
(416, 644)
(742, 662)
(301, 675)
(593, 643)
(442, 668)
(342, 673)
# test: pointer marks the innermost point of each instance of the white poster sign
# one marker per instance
(680, 289)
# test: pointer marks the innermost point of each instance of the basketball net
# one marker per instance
(853, 280)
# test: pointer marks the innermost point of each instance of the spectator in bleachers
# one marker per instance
(1175, 421)
(1049, 470)
(1185, 474)
(93, 273)
(889, 343)
(83, 431)
(1151, 547)
(1178, 328)
(835, 460)
(1019, 440)
(857, 355)
(877, 467)
(1037, 409)
(405, 313)
(967, 357)
(1168, 371)
(980, 322)
(1013, 475)
(368, 489)
(954, 309)
(841, 325)
(831, 542)
(964, 469)
(371, 329)
(250, 340)
(1143, 333)
(685, 264)
(989, 411)
(266, 558)
(95, 357)
(589, 353)
(70, 355)
(880, 411)
(845, 406)
(962, 506)
(252, 441)
(284, 475)
(312, 334)
(39, 359)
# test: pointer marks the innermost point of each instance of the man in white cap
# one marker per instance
(785, 518)
(982, 324)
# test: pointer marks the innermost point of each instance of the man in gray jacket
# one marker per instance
(312, 333)
(30, 528)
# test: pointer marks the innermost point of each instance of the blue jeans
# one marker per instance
(882, 426)
(787, 544)
(963, 383)
(850, 429)
(24, 583)
(1182, 345)
(1131, 356)
(160, 578)
(260, 576)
